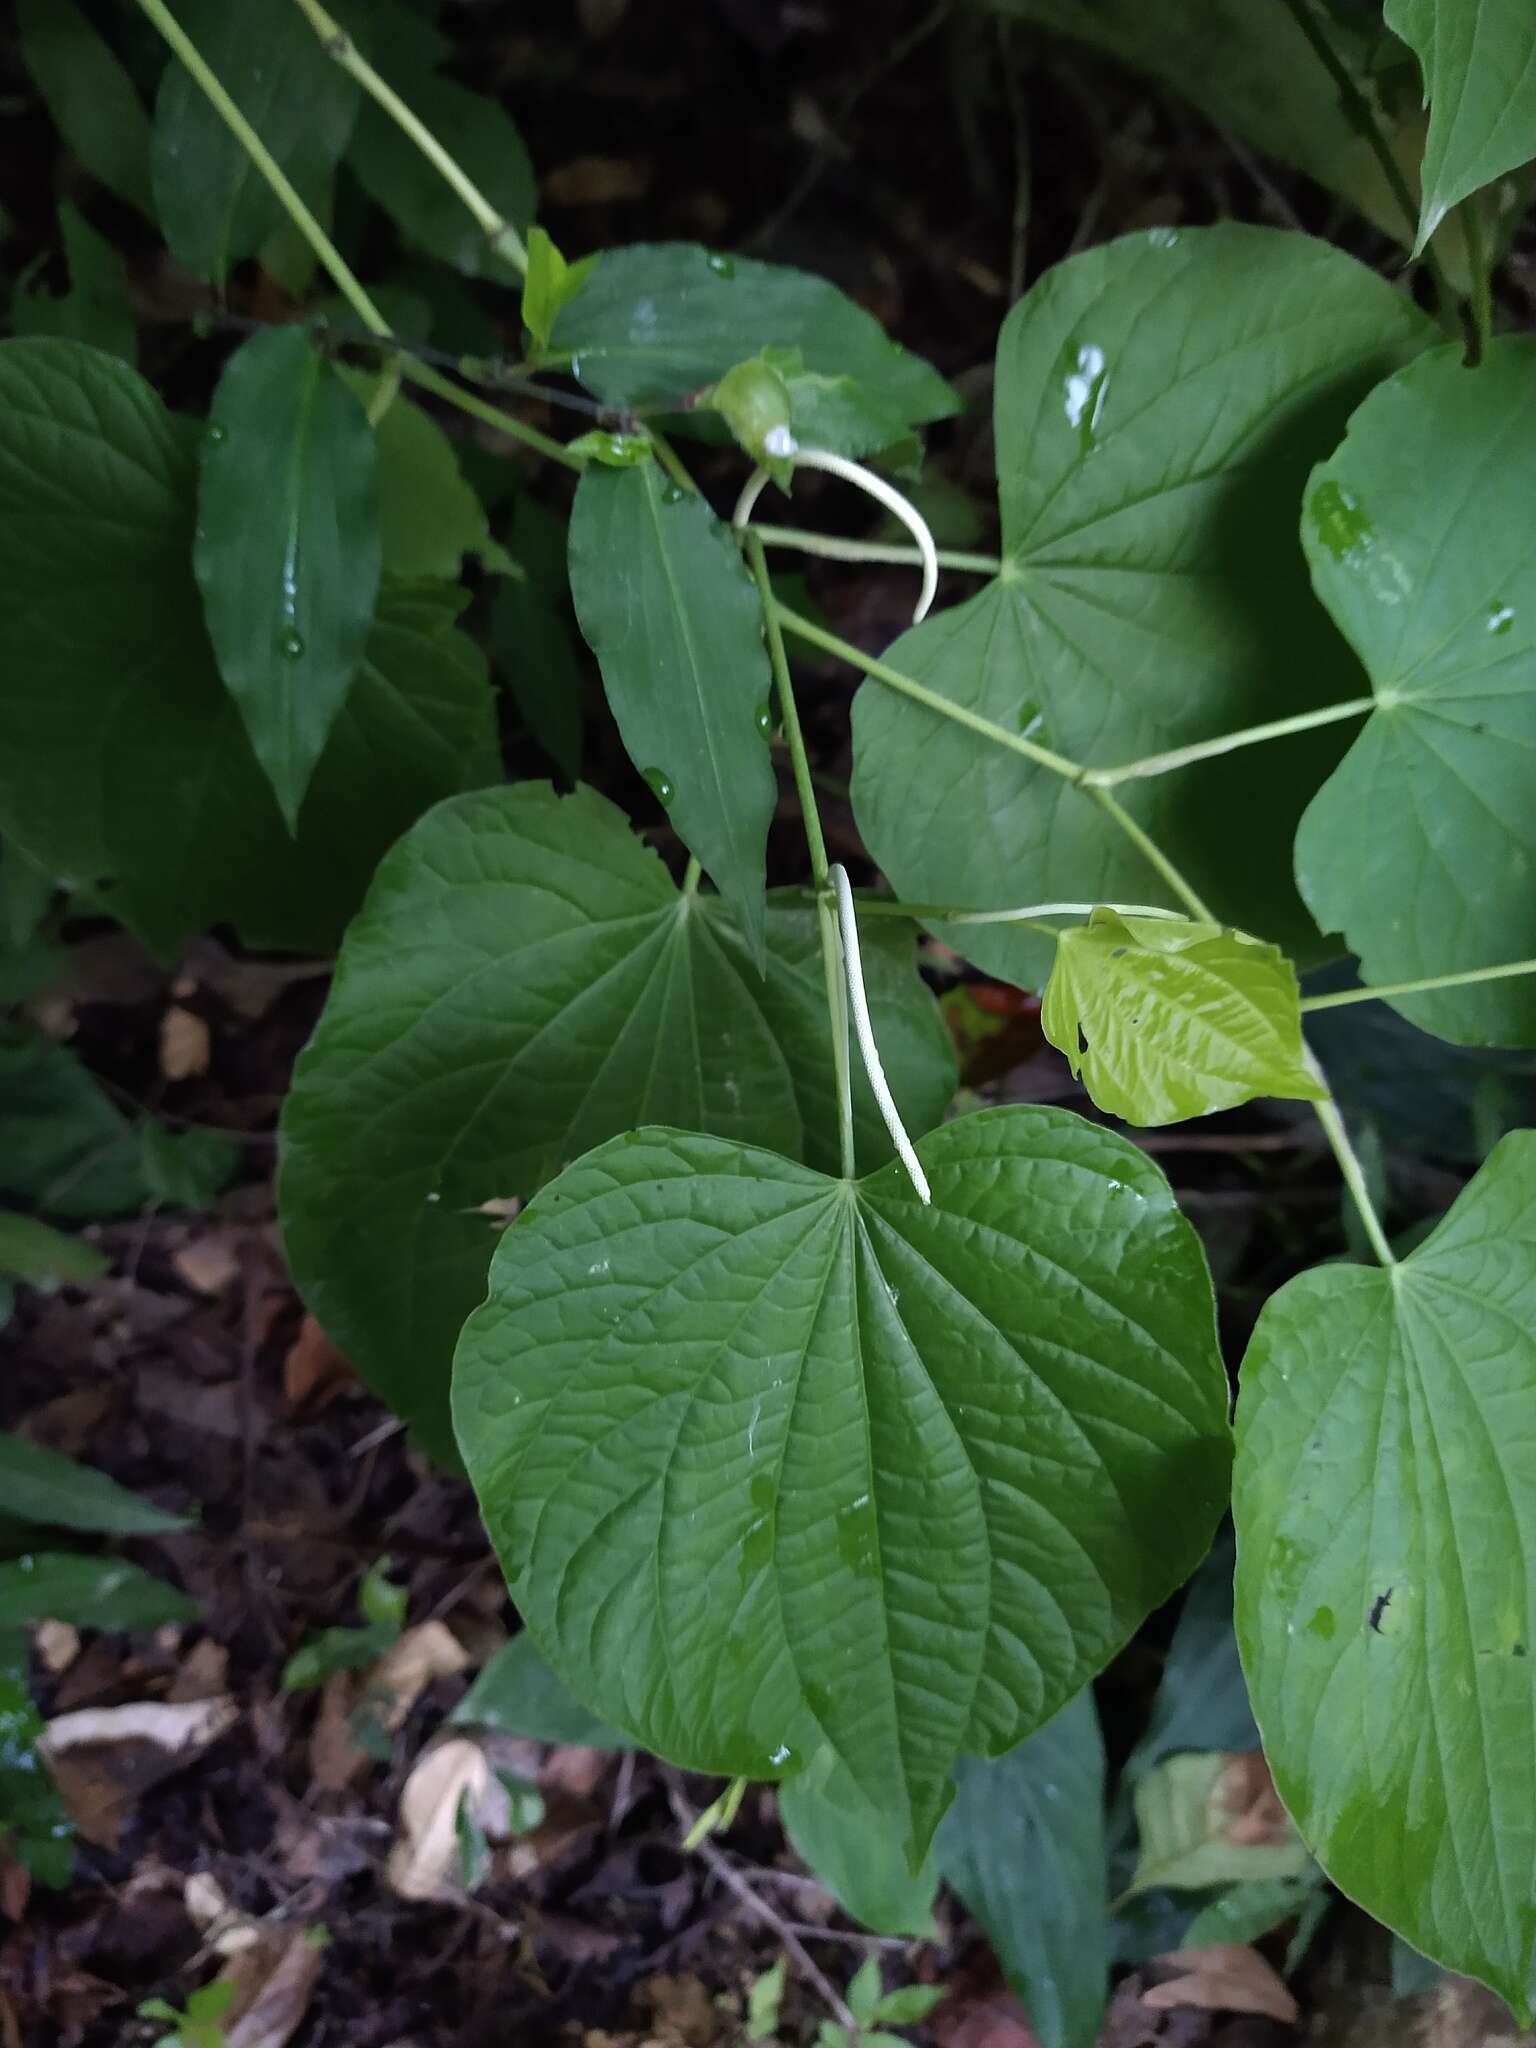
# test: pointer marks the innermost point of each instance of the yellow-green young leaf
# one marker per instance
(1211, 1817)
(1385, 1503)
(287, 553)
(1479, 63)
(548, 283)
(1165, 1019)
(775, 1460)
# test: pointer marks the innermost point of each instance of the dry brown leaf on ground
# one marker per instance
(274, 1981)
(1245, 1799)
(455, 1776)
(208, 1263)
(334, 1756)
(186, 1044)
(314, 1371)
(104, 1759)
(981, 2012)
(427, 1652)
(597, 181)
(1225, 1978)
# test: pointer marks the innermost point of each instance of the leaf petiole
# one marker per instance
(833, 547)
(873, 486)
(848, 926)
(503, 237)
(1229, 742)
(1384, 991)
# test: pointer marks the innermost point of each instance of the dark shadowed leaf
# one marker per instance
(94, 104)
(519, 1694)
(37, 1485)
(428, 212)
(94, 306)
(1023, 1846)
(287, 552)
(1479, 64)
(858, 1851)
(213, 204)
(34, 1252)
(88, 1592)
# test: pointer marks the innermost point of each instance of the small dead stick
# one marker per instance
(794, 1948)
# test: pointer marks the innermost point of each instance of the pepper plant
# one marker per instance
(823, 1439)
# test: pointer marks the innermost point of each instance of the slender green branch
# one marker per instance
(941, 913)
(1386, 990)
(1362, 116)
(325, 249)
(816, 846)
(1153, 854)
(832, 548)
(1480, 267)
(329, 256)
(1349, 1165)
(1229, 742)
(502, 236)
(909, 686)
(506, 423)
(672, 462)
(691, 874)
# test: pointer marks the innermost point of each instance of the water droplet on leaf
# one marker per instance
(661, 786)
(764, 717)
(1501, 618)
(722, 266)
(291, 645)
(215, 434)
(672, 494)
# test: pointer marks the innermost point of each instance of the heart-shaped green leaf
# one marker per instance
(1159, 402)
(215, 207)
(1479, 64)
(669, 609)
(1386, 1520)
(103, 644)
(774, 1460)
(1166, 1019)
(526, 981)
(1421, 846)
(654, 323)
(288, 552)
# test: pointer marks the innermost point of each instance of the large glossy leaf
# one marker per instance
(775, 1461)
(38, 1485)
(90, 96)
(1386, 1524)
(214, 206)
(428, 212)
(855, 1850)
(287, 552)
(1159, 402)
(1166, 1019)
(525, 982)
(1420, 847)
(123, 760)
(653, 323)
(1023, 1846)
(1479, 64)
(670, 611)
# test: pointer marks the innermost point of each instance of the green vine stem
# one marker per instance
(832, 548)
(816, 846)
(1482, 284)
(939, 913)
(1332, 1121)
(326, 252)
(1384, 991)
(873, 486)
(503, 237)
(1229, 742)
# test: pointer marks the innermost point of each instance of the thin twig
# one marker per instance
(720, 1866)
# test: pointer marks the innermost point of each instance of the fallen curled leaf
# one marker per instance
(314, 1371)
(334, 1756)
(186, 1046)
(208, 1264)
(457, 1774)
(981, 2011)
(1245, 1805)
(104, 1759)
(274, 1981)
(597, 181)
(1226, 1978)
(427, 1652)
